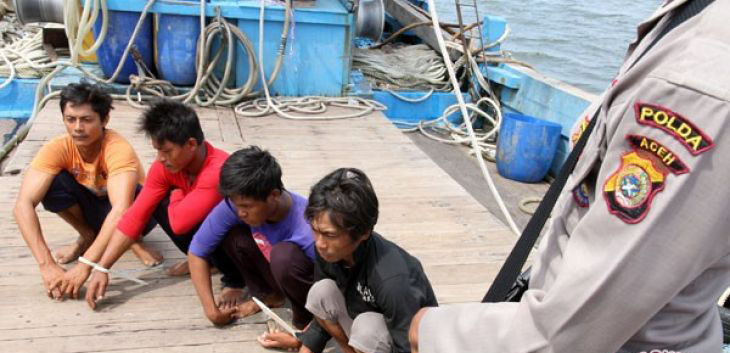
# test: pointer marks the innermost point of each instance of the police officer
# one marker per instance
(636, 254)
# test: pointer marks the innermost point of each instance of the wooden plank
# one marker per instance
(422, 209)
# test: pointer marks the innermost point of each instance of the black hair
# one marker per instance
(168, 120)
(250, 172)
(348, 196)
(86, 93)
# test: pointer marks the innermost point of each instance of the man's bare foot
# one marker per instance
(71, 252)
(149, 257)
(179, 269)
(249, 308)
(230, 297)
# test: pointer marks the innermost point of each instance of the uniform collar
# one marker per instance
(667, 6)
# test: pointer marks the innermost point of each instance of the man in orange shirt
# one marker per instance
(89, 177)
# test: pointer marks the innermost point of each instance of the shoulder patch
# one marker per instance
(581, 128)
(580, 195)
(675, 124)
(663, 154)
(630, 189)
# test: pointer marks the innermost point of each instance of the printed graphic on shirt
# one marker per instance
(676, 125)
(94, 181)
(629, 191)
(365, 293)
(263, 243)
(663, 154)
(580, 129)
(580, 195)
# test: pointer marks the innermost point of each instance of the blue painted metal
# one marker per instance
(429, 109)
(550, 100)
(316, 62)
(322, 12)
(175, 39)
(318, 54)
(526, 147)
(503, 76)
(16, 99)
(530, 93)
(493, 28)
(120, 27)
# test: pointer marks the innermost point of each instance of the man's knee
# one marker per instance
(281, 259)
(60, 195)
(324, 300)
(369, 333)
(238, 240)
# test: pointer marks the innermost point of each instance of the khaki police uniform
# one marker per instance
(636, 253)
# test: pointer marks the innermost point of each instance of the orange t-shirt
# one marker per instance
(116, 156)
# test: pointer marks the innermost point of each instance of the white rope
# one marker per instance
(411, 100)
(415, 67)
(465, 114)
(310, 105)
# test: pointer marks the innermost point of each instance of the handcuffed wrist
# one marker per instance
(93, 265)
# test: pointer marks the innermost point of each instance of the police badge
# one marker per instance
(629, 191)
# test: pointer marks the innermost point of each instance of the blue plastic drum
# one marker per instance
(526, 147)
(121, 26)
(176, 40)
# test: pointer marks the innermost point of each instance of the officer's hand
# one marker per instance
(413, 331)
(97, 288)
(52, 274)
(74, 279)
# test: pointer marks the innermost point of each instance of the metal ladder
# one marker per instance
(467, 36)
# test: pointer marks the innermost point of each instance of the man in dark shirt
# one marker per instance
(366, 288)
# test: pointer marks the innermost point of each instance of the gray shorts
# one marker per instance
(366, 333)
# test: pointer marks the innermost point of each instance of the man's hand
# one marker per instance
(413, 331)
(279, 340)
(220, 317)
(97, 288)
(50, 273)
(304, 349)
(71, 282)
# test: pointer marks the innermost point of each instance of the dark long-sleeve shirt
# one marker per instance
(385, 279)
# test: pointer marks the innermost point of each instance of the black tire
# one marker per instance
(725, 318)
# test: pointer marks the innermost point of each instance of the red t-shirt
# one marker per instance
(190, 202)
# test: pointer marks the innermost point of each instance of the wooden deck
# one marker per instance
(460, 244)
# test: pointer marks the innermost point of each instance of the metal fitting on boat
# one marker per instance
(32, 11)
(370, 19)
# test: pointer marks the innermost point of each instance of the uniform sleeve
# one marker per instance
(399, 302)
(52, 157)
(630, 254)
(120, 157)
(154, 190)
(214, 229)
(190, 210)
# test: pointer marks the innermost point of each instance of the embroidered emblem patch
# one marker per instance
(582, 126)
(663, 154)
(629, 190)
(580, 195)
(676, 125)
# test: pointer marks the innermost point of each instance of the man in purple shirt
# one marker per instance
(262, 227)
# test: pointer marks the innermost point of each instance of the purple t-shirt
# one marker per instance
(294, 228)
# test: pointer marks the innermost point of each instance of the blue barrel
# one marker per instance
(121, 26)
(526, 147)
(176, 39)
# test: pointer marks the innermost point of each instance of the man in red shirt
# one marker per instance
(180, 190)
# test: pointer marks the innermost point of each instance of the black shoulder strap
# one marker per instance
(513, 265)
(516, 259)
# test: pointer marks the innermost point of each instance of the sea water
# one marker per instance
(581, 42)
